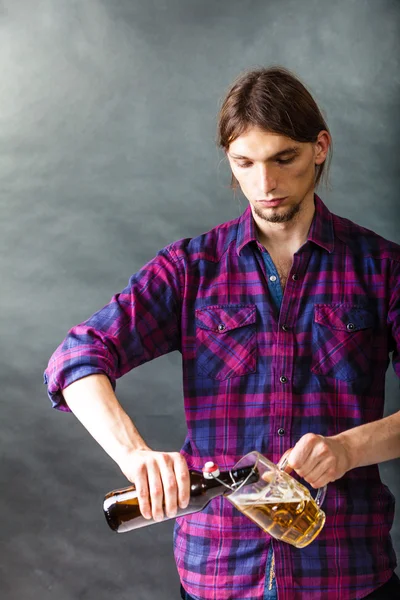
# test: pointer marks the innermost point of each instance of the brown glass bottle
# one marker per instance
(121, 507)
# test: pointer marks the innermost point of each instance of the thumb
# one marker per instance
(282, 460)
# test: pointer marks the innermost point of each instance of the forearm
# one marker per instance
(94, 403)
(372, 443)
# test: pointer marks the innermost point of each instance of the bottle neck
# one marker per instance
(231, 480)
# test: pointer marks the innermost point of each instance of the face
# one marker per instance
(270, 166)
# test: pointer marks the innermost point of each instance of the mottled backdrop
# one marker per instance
(107, 125)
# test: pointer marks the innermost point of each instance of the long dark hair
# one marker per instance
(275, 100)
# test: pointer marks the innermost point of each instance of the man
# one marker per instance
(285, 318)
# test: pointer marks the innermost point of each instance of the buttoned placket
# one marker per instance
(282, 371)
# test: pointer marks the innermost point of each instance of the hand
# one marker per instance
(160, 478)
(318, 459)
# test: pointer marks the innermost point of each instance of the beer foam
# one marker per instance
(261, 497)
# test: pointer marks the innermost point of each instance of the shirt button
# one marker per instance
(281, 431)
(350, 326)
(272, 278)
(283, 379)
(285, 327)
(221, 327)
(295, 277)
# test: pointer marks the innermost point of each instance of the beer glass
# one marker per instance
(278, 503)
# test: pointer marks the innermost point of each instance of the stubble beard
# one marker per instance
(277, 217)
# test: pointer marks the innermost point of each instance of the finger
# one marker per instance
(170, 486)
(302, 452)
(142, 489)
(321, 482)
(288, 468)
(182, 479)
(319, 455)
(268, 476)
(156, 492)
(315, 474)
(307, 468)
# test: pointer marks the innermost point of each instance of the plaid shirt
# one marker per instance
(258, 374)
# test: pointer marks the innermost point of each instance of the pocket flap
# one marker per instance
(225, 318)
(343, 317)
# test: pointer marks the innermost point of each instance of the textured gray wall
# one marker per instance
(108, 113)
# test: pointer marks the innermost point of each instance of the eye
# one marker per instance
(284, 161)
(244, 165)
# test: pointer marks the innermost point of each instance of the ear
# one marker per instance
(321, 147)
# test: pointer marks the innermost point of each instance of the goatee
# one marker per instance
(282, 217)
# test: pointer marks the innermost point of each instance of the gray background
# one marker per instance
(108, 113)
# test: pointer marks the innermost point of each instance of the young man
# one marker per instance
(285, 318)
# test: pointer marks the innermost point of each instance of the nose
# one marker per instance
(267, 179)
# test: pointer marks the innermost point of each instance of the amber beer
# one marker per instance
(278, 503)
(297, 523)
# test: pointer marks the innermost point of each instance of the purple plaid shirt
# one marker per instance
(258, 375)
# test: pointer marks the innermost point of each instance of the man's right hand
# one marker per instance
(161, 480)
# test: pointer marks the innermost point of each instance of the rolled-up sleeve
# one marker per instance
(138, 324)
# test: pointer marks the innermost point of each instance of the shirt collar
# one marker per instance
(320, 232)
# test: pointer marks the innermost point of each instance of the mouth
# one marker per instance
(273, 202)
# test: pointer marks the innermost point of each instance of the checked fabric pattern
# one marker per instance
(260, 370)
(342, 338)
(226, 344)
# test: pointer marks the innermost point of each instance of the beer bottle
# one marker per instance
(121, 507)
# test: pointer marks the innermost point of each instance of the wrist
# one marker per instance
(123, 449)
(350, 449)
(126, 453)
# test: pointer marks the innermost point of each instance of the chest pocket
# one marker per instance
(342, 337)
(226, 340)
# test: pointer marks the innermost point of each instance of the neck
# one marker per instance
(290, 235)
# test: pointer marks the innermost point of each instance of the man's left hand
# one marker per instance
(318, 459)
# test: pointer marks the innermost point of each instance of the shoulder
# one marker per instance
(364, 241)
(210, 245)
